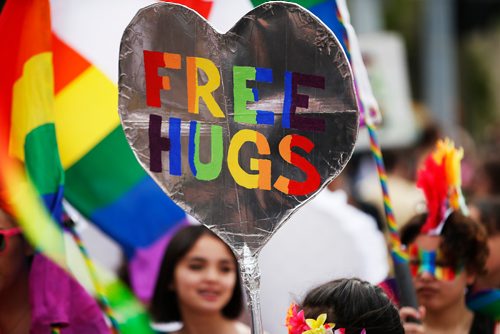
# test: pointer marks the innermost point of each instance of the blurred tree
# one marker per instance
(480, 78)
(405, 17)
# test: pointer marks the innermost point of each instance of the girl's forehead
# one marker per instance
(209, 246)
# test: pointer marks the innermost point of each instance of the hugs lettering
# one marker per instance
(169, 140)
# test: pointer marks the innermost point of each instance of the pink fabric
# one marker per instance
(145, 265)
(57, 298)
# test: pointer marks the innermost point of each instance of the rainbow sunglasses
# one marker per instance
(5, 236)
(424, 261)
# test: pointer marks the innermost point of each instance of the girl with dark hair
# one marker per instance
(352, 306)
(199, 285)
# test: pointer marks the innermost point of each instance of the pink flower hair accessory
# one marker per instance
(297, 324)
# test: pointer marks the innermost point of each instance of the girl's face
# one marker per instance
(204, 279)
(12, 256)
(433, 293)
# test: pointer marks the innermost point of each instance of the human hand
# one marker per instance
(409, 313)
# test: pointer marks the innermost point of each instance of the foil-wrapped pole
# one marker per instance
(250, 272)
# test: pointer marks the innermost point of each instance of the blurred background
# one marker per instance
(451, 55)
(434, 66)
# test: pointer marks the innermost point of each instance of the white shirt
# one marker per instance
(324, 240)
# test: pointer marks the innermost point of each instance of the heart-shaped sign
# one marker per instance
(240, 129)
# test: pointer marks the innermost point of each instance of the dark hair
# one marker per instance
(464, 240)
(164, 305)
(489, 213)
(354, 304)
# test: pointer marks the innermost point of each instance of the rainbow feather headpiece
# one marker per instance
(440, 180)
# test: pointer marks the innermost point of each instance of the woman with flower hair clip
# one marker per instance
(345, 306)
(447, 251)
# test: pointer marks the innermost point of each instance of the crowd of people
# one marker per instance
(453, 249)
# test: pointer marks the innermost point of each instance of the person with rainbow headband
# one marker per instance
(447, 251)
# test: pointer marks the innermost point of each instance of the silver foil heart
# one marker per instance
(298, 49)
